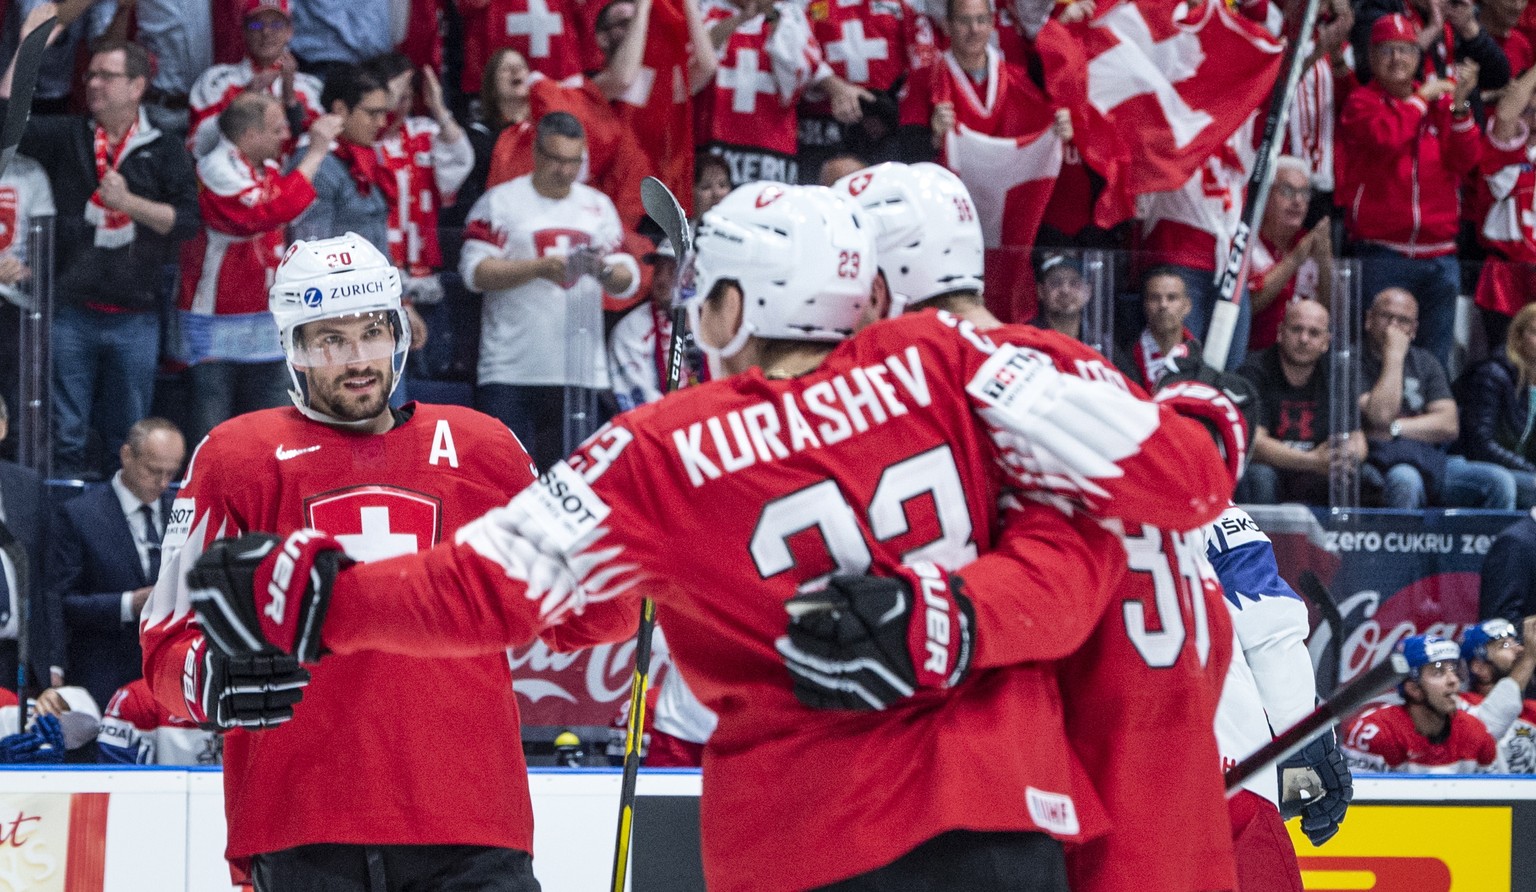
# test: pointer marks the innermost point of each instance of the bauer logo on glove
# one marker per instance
(866, 642)
(254, 597)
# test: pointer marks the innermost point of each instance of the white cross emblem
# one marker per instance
(538, 24)
(376, 542)
(856, 51)
(1139, 66)
(745, 81)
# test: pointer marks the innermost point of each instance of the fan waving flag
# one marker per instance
(1157, 85)
(1010, 181)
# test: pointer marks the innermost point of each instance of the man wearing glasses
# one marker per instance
(268, 67)
(126, 196)
(353, 191)
(543, 248)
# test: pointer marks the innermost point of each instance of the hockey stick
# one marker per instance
(1344, 701)
(662, 206)
(1318, 594)
(1218, 338)
(25, 68)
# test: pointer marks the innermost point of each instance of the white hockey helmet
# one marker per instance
(803, 256)
(926, 229)
(328, 278)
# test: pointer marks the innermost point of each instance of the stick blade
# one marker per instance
(663, 207)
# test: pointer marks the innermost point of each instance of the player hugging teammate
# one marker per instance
(848, 489)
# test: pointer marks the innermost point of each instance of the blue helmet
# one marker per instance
(1474, 641)
(1422, 650)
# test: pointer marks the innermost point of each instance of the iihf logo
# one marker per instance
(312, 297)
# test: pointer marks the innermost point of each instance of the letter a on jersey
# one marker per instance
(442, 445)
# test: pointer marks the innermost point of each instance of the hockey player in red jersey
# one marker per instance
(892, 448)
(1148, 673)
(1429, 732)
(349, 782)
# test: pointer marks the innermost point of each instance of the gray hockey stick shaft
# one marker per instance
(662, 206)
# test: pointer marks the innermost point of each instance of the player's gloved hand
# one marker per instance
(43, 744)
(1320, 769)
(1215, 409)
(262, 595)
(865, 642)
(251, 691)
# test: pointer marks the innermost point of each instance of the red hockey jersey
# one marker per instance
(763, 69)
(346, 769)
(1385, 739)
(1155, 664)
(872, 43)
(722, 501)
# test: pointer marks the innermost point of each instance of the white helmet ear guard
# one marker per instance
(803, 257)
(329, 278)
(926, 229)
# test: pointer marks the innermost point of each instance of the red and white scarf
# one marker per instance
(367, 172)
(1152, 362)
(114, 229)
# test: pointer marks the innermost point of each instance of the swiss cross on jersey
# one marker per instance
(744, 103)
(375, 522)
(559, 243)
(8, 203)
(862, 40)
(544, 31)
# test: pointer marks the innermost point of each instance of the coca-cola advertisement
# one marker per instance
(1388, 575)
(590, 687)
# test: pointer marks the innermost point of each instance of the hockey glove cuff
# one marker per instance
(252, 692)
(1321, 813)
(1218, 413)
(256, 597)
(865, 642)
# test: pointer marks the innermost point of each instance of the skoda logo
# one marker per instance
(312, 297)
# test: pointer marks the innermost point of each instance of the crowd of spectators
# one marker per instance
(184, 148)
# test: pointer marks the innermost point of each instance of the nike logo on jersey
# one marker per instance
(285, 454)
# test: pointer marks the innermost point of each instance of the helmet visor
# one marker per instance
(344, 340)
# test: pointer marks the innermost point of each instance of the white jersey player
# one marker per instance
(1269, 687)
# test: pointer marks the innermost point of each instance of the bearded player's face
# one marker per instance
(350, 366)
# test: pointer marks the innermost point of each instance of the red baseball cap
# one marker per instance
(1394, 27)
(252, 7)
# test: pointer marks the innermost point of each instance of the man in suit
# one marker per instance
(104, 556)
(23, 529)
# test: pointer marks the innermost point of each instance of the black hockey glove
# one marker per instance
(1319, 769)
(252, 692)
(865, 642)
(256, 596)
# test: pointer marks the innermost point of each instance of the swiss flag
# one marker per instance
(1010, 180)
(1156, 86)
